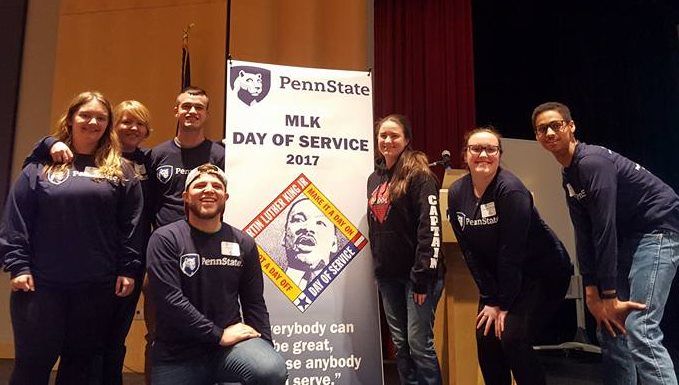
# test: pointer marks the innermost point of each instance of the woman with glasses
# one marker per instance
(404, 227)
(521, 268)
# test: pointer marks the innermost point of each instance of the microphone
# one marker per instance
(444, 161)
(445, 157)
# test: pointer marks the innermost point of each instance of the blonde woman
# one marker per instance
(69, 240)
(132, 124)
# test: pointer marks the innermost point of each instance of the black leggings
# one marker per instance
(57, 322)
(537, 302)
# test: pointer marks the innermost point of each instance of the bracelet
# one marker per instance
(608, 295)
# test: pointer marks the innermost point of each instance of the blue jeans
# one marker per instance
(412, 330)
(646, 267)
(250, 362)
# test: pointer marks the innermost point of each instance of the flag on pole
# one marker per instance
(186, 64)
(186, 59)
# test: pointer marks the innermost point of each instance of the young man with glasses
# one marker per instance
(626, 222)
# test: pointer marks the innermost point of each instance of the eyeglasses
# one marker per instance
(477, 149)
(556, 126)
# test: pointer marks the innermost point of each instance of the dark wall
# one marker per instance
(615, 63)
(12, 21)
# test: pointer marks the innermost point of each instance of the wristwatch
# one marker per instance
(610, 294)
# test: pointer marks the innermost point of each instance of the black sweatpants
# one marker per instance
(113, 358)
(56, 322)
(534, 307)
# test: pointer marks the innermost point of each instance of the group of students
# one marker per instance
(626, 223)
(76, 233)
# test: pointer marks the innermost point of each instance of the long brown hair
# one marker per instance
(410, 162)
(107, 156)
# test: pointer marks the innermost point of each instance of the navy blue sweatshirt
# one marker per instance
(405, 233)
(610, 198)
(72, 228)
(196, 282)
(140, 159)
(169, 166)
(41, 151)
(503, 239)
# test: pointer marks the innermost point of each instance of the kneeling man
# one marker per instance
(199, 270)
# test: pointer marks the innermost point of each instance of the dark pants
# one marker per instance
(537, 302)
(150, 321)
(113, 358)
(59, 322)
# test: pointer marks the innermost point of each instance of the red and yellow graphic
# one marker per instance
(302, 186)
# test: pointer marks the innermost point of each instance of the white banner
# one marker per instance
(299, 149)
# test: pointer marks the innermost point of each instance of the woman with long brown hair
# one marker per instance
(405, 239)
(69, 241)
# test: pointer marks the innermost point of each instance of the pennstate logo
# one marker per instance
(461, 219)
(251, 84)
(189, 264)
(58, 177)
(164, 173)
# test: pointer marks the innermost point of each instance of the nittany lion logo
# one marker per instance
(461, 219)
(164, 173)
(251, 84)
(189, 264)
(58, 176)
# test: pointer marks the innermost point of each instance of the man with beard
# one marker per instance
(310, 240)
(169, 164)
(199, 270)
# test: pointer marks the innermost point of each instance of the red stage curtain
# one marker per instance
(424, 69)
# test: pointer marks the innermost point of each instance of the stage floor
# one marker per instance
(562, 369)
